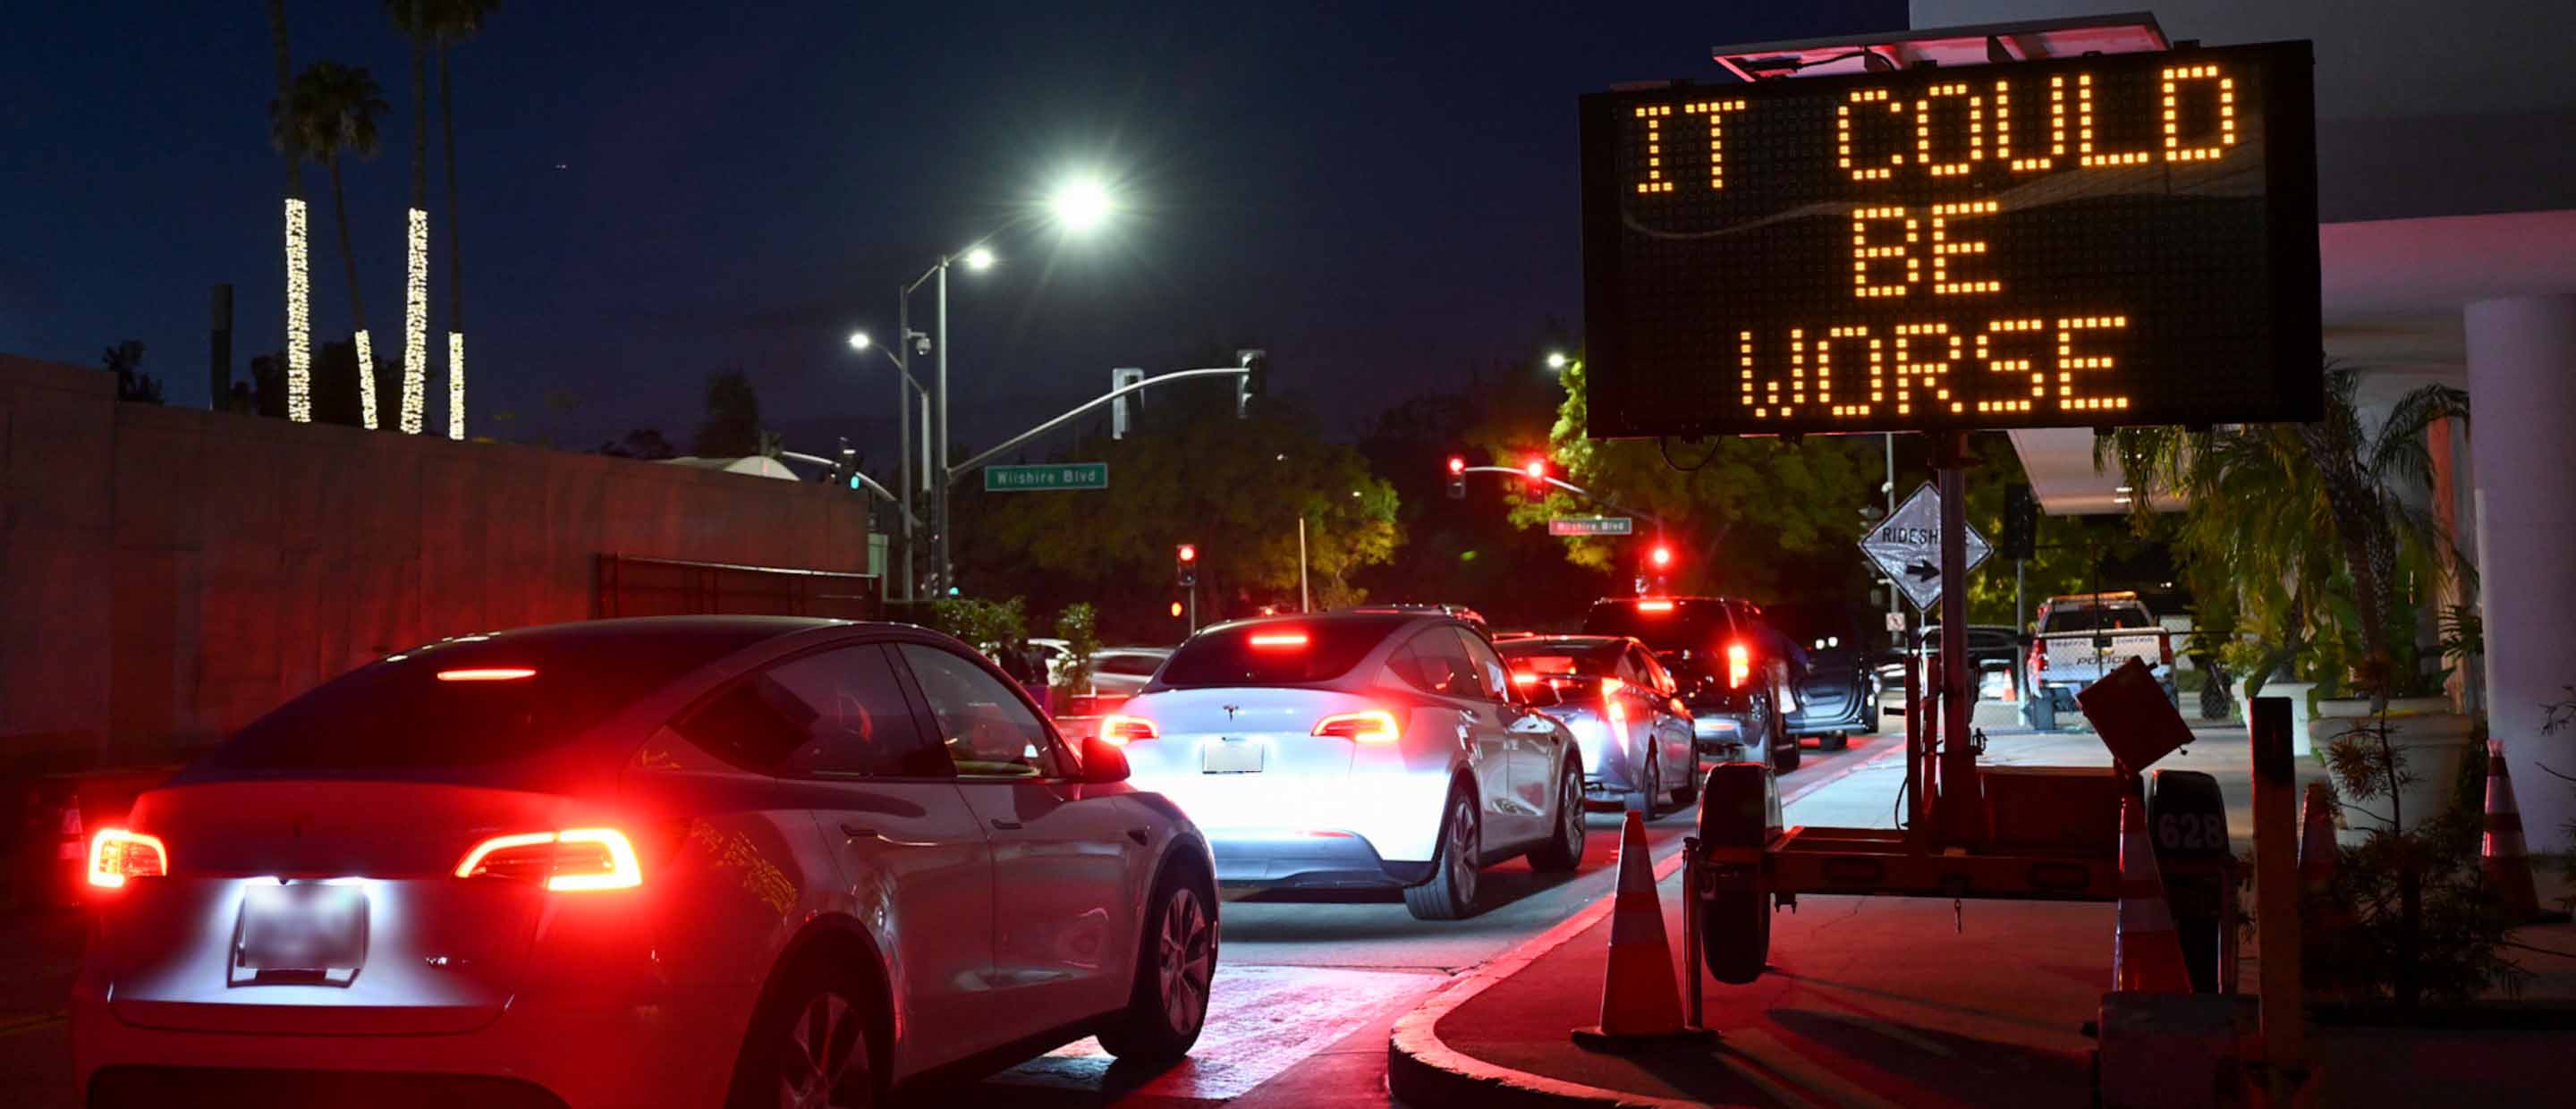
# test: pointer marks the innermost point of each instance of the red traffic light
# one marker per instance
(1536, 468)
(1189, 552)
(1661, 555)
(1176, 610)
(1457, 464)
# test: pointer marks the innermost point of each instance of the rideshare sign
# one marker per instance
(2088, 242)
(1907, 548)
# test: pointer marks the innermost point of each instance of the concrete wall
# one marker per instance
(168, 574)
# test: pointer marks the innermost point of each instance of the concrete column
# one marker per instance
(2522, 396)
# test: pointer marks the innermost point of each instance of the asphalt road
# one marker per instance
(1305, 989)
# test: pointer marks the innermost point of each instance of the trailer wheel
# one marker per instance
(1737, 810)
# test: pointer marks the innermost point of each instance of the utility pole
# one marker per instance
(1305, 602)
(903, 424)
(939, 561)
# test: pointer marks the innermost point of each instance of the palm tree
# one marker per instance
(331, 111)
(451, 22)
(2273, 505)
(417, 21)
(299, 320)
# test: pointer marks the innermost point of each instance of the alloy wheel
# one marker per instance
(824, 1062)
(1570, 810)
(1462, 851)
(1185, 960)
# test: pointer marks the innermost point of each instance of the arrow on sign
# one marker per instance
(1923, 571)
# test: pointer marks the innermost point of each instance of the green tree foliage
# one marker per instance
(1750, 517)
(2077, 554)
(1078, 626)
(1195, 474)
(731, 428)
(987, 626)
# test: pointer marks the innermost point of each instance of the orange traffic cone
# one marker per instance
(2508, 870)
(2146, 951)
(1639, 1003)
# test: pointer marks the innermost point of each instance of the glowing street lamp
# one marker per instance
(979, 258)
(1080, 204)
(1556, 360)
(859, 340)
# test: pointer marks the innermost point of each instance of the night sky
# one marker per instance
(1381, 194)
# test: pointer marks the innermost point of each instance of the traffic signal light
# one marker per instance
(1252, 383)
(1661, 557)
(845, 467)
(1536, 470)
(1457, 477)
(2021, 523)
(1186, 561)
(1176, 610)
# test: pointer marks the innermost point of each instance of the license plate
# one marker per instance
(1230, 756)
(305, 928)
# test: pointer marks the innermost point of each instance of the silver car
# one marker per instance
(664, 861)
(1622, 706)
(1372, 750)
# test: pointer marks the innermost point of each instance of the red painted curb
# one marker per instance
(1421, 1069)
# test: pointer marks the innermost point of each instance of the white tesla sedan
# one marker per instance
(670, 861)
(1357, 750)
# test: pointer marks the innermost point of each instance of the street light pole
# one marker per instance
(903, 425)
(939, 450)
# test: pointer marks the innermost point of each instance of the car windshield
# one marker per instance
(1666, 626)
(1281, 652)
(2087, 618)
(470, 702)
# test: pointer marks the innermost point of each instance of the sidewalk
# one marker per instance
(1880, 1001)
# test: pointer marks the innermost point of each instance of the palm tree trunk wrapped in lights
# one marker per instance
(299, 282)
(330, 111)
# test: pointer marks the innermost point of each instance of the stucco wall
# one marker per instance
(167, 574)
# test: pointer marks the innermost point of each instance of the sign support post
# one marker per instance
(1959, 812)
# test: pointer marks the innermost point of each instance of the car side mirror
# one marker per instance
(1103, 762)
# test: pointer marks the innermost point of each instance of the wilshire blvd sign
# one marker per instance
(1048, 477)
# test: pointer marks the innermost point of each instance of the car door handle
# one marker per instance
(1006, 825)
(855, 831)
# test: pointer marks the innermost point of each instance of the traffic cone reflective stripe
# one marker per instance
(2502, 858)
(1639, 999)
(2146, 951)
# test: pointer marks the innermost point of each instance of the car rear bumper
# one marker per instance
(654, 1046)
(1727, 736)
(1306, 859)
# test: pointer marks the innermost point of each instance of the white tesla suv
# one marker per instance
(1357, 750)
(669, 861)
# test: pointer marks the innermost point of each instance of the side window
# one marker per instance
(1655, 672)
(838, 712)
(1434, 661)
(988, 731)
(1492, 677)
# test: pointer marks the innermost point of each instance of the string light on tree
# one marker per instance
(366, 381)
(456, 385)
(299, 319)
(415, 323)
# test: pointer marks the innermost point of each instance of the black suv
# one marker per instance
(1730, 663)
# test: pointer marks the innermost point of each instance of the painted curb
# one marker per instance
(1422, 1069)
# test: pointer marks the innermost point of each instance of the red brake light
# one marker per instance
(1654, 606)
(1457, 465)
(2039, 657)
(1279, 640)
(1365, 726)
(1739, 665)
(1612, 705)
(1119, 731)
(2164, 648)
(487, 674)
(567, 861)
(116, 855)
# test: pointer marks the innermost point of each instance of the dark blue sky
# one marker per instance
(1382, 194)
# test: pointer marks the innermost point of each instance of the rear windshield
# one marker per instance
(2088, 618)
(1282, 653)
(1545, 658)
(399, 714)
(1683, 626)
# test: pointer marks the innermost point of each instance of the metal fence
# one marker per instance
(633, 586)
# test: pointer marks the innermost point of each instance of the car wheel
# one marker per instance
(1688, 791)
(1169, 1003)
(1649, 795)
(1564, 850)
(1451, 892)
(1784, 748)
(1833, 741)
(808, 1044)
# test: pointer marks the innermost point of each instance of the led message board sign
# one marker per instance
(2090, 242)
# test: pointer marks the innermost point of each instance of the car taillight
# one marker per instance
(2164, 648)
(1739, 665)
(1365, 726)
(116, 855)
(2039, 658)
(567, 861)
(1611, 703)
(1119, 731)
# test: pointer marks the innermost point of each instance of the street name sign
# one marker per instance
(2098, 241)
(1592, 525)
(1907, 547)
(1046, 477)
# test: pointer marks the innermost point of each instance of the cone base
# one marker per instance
(1594, 1039)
